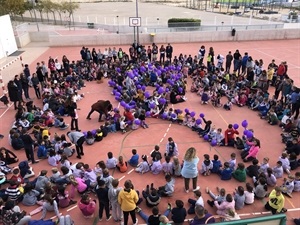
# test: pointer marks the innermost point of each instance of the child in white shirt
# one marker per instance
(111, 162)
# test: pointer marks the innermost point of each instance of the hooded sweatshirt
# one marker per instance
(87, 209)
(128, 199)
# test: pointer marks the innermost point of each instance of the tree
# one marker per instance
(70, 8)
(14, 7)
(29, 7)
(48, 8)
(40, 7)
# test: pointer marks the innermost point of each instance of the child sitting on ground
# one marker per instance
(207, 166)
(226, 172)
(232, 161)
(240, 173)
(278, 170)
(176, 166)
(121, 166)
(239, 198)
(285, 162)
(156, 166)
(217, 164)
(178, 212)
(193, 202)
(134, 160)
(252, 170)
(219, 198)
(167, 166)
(288, 186)
(144, 166)
(168, 189)
(90, 139)
(249, 194)
(111, 162)
(264, 166)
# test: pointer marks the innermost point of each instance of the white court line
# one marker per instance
(161, 140)
(295, 209)
(165, 134)
(168, 129)
(130, 171)
(275, 57)
(71, 208)
(170, 125)
(6, 110)
(121, 178)
(53, 217)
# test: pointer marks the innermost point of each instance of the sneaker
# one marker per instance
(138, 209)
(100, 219)
(108, 218)
(78, 157)
(169, 206)
(197, 188)
(207, 190)
(186, 191)
(136, 222)
(72, 202)
(81, 153)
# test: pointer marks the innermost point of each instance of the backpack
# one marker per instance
(41, 222)
(66, 220)
(239, 143)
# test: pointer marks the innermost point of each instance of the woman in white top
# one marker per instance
(190, 169)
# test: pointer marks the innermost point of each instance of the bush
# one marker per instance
(184, 22)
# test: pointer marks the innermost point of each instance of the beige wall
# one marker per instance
(178, 37)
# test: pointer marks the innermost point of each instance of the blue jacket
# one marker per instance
(226, 174)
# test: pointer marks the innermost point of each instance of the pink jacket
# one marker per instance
(87, 209)
(253, 151)
(81, 187)
(224, 207)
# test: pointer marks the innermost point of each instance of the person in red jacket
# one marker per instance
(229, 136)
(281, 71)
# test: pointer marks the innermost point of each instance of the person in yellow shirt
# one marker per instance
(276, 201)
(127, 199)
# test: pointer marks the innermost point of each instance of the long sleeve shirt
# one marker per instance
(253, 152)
(48, 207)
(276, 202)
(229, 134)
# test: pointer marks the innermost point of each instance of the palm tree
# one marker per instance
(40, 7)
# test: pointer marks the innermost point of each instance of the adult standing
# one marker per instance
(201, 54)
(28, 145)
(40, 75)
(127, 199)
(228, 62)
(13, 93)
(25, 85)
(171, 148)
(19, 86)
(72, 110)
(190, 169)
(169, 52)
(237, 60)
(162, 55)
(35, 82)
(83, 53)
(78, 139)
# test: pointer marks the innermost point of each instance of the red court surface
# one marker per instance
(159, 130)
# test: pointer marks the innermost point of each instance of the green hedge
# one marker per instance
(184, 22)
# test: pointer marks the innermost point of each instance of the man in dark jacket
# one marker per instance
(28, 146)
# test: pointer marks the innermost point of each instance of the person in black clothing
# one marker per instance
(206, 129)
(151, 196)
(19, 86)
(25, 85)
(169, 52)
(83, 53)
(252, 170)
(293, 147)
(228, 62)
(154, 218)
(7, 156)
(28, 145)
(102, 194)
(72, 111)
(156, 153)
(35, 83)
(178, 213)
(13, 93)
(237, 60)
